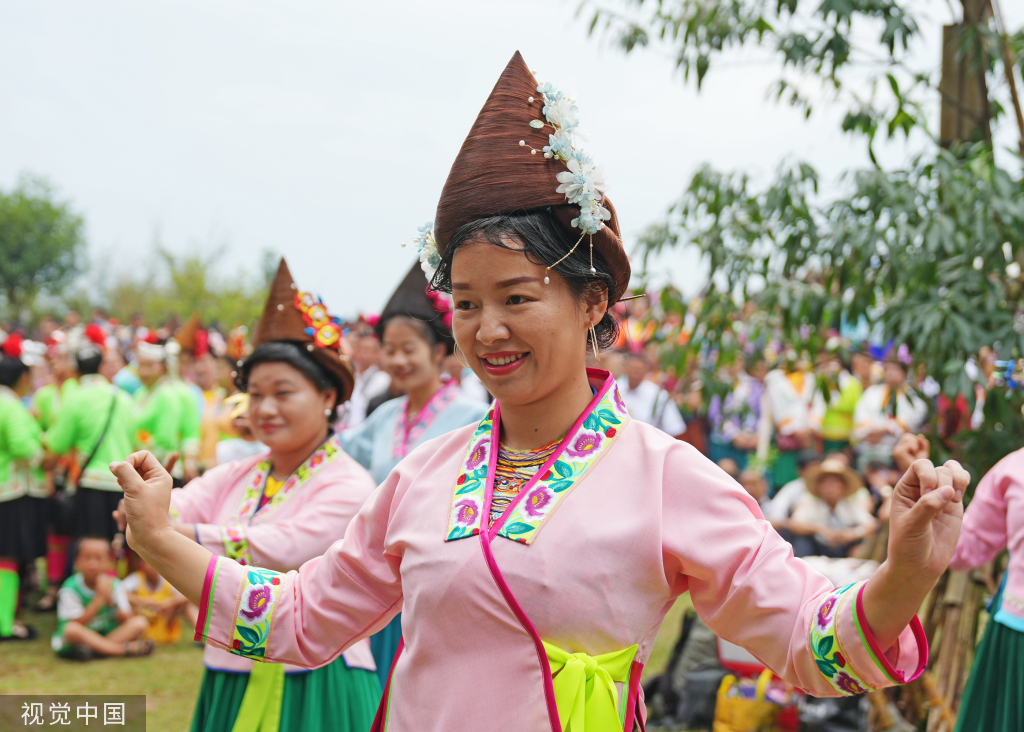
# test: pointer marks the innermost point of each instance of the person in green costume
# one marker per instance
(47, 399)
(166, 419)
(22, 490)
(95, 423)
(841, 391)
(46, 403)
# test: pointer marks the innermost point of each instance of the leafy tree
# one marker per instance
(182, 284)
(40, 244)
(928, 254)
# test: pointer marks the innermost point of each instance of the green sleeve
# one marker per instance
(42, 406)
(63, 434)
(127, 421)
(21, 434)
(168, 417)
(189, 417)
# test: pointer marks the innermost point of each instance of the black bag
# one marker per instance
(841, 714)
(697, 703)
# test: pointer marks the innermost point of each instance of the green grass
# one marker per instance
(170, 677)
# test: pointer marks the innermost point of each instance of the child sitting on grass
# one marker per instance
(154, 599)
(93, 614)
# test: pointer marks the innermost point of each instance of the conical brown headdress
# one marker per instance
(411, 300)
(494, 175)
(282, 320)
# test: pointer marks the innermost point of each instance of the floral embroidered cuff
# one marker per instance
(236, 544)
(254, 613)
(847, 653)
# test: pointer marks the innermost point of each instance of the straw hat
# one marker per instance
(837, 468)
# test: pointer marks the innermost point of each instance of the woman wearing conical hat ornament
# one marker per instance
(415, 332)
(273, 512)
(541, 613)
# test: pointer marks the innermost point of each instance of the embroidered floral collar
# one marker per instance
(257, 480)
(593, 434)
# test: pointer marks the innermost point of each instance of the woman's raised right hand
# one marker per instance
(147, 497)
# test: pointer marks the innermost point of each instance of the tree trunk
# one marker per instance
(965, 113)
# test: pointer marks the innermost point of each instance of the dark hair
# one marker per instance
(77, 545)
(545, 241)
(295, 356)
(11, 371)
(429, 330)
(89, 364)
(806, 457)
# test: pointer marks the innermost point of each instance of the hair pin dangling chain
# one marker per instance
(547, 280)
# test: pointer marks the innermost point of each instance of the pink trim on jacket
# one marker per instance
(204, 602)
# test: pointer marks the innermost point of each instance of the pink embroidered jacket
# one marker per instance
(995, 521)
(618, 523)
(308, 514)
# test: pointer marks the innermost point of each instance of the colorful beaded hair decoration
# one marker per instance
(323, 327)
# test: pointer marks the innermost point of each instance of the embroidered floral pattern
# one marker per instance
(236, 544)
(468, 495)
(825, 643)
(254, 616)
(574, 457)
(246, 511)
(583, 445)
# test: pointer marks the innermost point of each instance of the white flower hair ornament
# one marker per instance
(583, 184)
(426, 245)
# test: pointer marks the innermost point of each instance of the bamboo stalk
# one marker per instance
(939, 705)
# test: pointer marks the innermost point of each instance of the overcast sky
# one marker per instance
(325, 130)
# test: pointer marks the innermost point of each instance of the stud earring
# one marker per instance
(328, 411)
(593, 342)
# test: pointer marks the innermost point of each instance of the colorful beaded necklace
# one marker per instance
(513, 470)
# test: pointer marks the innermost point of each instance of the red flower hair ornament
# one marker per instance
(325, 329)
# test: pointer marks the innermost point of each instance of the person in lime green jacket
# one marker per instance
(46, 404)
(95, 423)
(166, 418)
(22, 487)
(47, 399)
(841, 391)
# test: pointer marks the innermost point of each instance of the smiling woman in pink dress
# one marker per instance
(535, 554)
(279, 509)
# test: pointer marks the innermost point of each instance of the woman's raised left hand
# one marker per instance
(924, 525)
